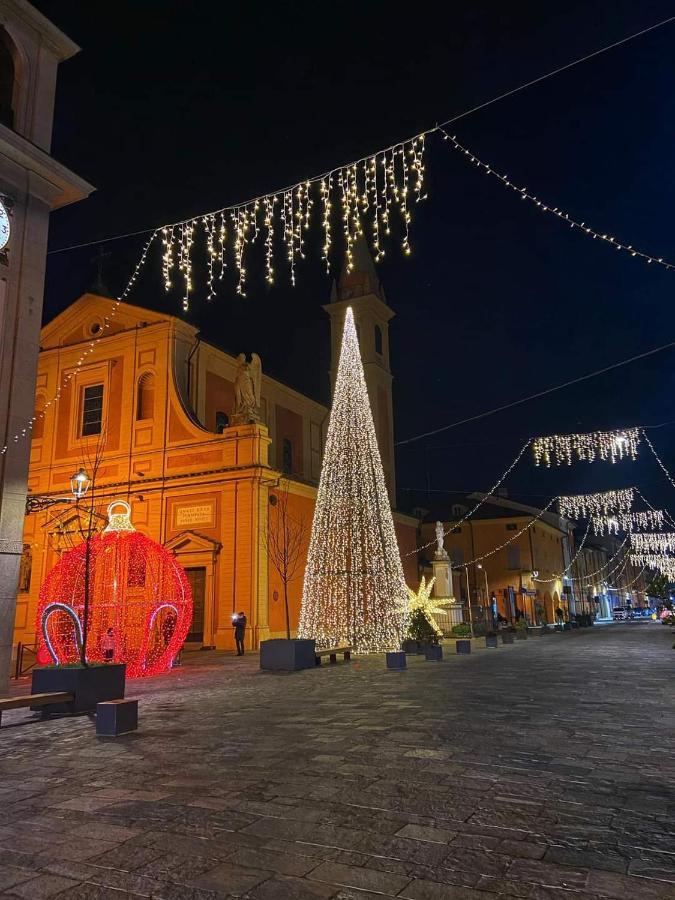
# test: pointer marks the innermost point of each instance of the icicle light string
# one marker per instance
(646, 520)
(90, 347)
(666, 515)
(562, 449)
(661, 562)
(484, 499)
(586, 506)
(524, 194)
(571, 563)
(653, 542)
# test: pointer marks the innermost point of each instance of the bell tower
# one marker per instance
(361, 289)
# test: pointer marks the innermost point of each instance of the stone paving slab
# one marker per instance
(543, 770)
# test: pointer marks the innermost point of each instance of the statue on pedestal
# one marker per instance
(441, 552)
(247, 390)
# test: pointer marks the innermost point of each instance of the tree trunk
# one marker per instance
(288, 614)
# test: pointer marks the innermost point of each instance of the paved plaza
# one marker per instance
(543, 770)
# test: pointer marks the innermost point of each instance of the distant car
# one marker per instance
(621, 613)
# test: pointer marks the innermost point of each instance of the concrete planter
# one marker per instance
(282, 655)
(89, 685)
(463, 646)
(396, 660)
(507, 637)
(433, 652)
(521, 634)
(491, 641)
(534, 631)
(413, 647)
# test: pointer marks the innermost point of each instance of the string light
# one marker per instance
(524, 194)
(89, 349)
(634, 521)
(585, 506)
(354, 591)
(557, 576)
(658, 561)
(139, 600)
(561, 449)
(590, 575)
(658, 459)
(650, 542)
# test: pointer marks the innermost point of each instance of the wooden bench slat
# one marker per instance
(35, 700)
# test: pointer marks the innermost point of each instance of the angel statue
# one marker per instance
(247, 390)
(441, 552)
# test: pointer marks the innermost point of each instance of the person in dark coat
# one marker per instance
(239, 623)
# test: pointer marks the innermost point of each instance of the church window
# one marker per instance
(378, 340)
(7, 80)
(145, 400)
(287, 456)
(92, 410)
(222, 421)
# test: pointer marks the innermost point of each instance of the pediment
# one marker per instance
(192, 542)
(84, 319)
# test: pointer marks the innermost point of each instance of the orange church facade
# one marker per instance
(149, 412)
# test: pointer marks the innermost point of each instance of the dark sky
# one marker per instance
(175, 108)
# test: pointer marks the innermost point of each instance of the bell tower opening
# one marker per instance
(7, 79)
(361, 289)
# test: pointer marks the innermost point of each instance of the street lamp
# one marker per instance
(80, 483)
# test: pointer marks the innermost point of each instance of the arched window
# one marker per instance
(145, 399)
(222, 421)
(378, 340)
(287, 456)
(39, 423)
(7, 80)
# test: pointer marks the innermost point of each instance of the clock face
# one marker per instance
(5, 228)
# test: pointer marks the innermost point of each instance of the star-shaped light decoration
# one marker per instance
(421, 599)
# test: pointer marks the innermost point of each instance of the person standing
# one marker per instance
(239, 623)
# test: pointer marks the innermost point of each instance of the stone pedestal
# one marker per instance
(443, 575)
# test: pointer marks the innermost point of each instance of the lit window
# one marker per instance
(92, 409)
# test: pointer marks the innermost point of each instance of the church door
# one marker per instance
(197, 578)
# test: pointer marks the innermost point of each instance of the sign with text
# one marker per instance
(195, 515)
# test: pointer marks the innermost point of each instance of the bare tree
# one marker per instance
(285, 540)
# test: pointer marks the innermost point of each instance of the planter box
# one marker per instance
(521, 634)
(433, 652)
(89, 686)
(396, 659)
(463, 646)
(282, 655)
(534, 631)
(491, 641)
(507, 637)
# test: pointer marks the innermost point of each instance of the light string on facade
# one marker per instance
(584, 227)
(90, 347)
(571, 563)
(562, 449)
(637, 578)
(617, 571)
(483, 499)
(506, 543)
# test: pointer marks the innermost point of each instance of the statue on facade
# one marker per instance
(247, 390)
(441, 552)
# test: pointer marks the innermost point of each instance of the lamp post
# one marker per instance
(80, 483)
(468, 598)
(487, 590)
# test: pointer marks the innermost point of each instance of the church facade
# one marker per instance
(154, 417)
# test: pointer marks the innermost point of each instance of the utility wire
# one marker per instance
(439, 126)
(558, 387)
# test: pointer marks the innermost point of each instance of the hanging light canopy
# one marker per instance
(562, 449)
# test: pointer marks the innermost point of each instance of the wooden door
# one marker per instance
(197, 578)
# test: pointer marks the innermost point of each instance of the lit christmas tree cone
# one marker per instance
(354, 591)
(140, 604)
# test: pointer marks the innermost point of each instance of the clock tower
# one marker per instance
(361, 289)
(32, 184)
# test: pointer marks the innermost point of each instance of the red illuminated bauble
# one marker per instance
(140, 604)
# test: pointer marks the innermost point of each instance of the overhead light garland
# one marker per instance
(367, 193)
(585, 506)
(562, 449)
(633, 521)
(584, 227)
(660, 542)
(659, 561)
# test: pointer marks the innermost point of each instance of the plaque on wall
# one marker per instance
(195, 514)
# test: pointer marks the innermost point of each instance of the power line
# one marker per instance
(439, 126)
(558, 387)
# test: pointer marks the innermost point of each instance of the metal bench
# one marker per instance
(34, 700)
(331, 653)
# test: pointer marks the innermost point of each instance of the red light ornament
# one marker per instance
(140, 604)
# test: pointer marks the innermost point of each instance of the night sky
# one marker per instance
(175, 108)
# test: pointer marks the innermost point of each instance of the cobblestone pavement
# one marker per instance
(543, 770)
